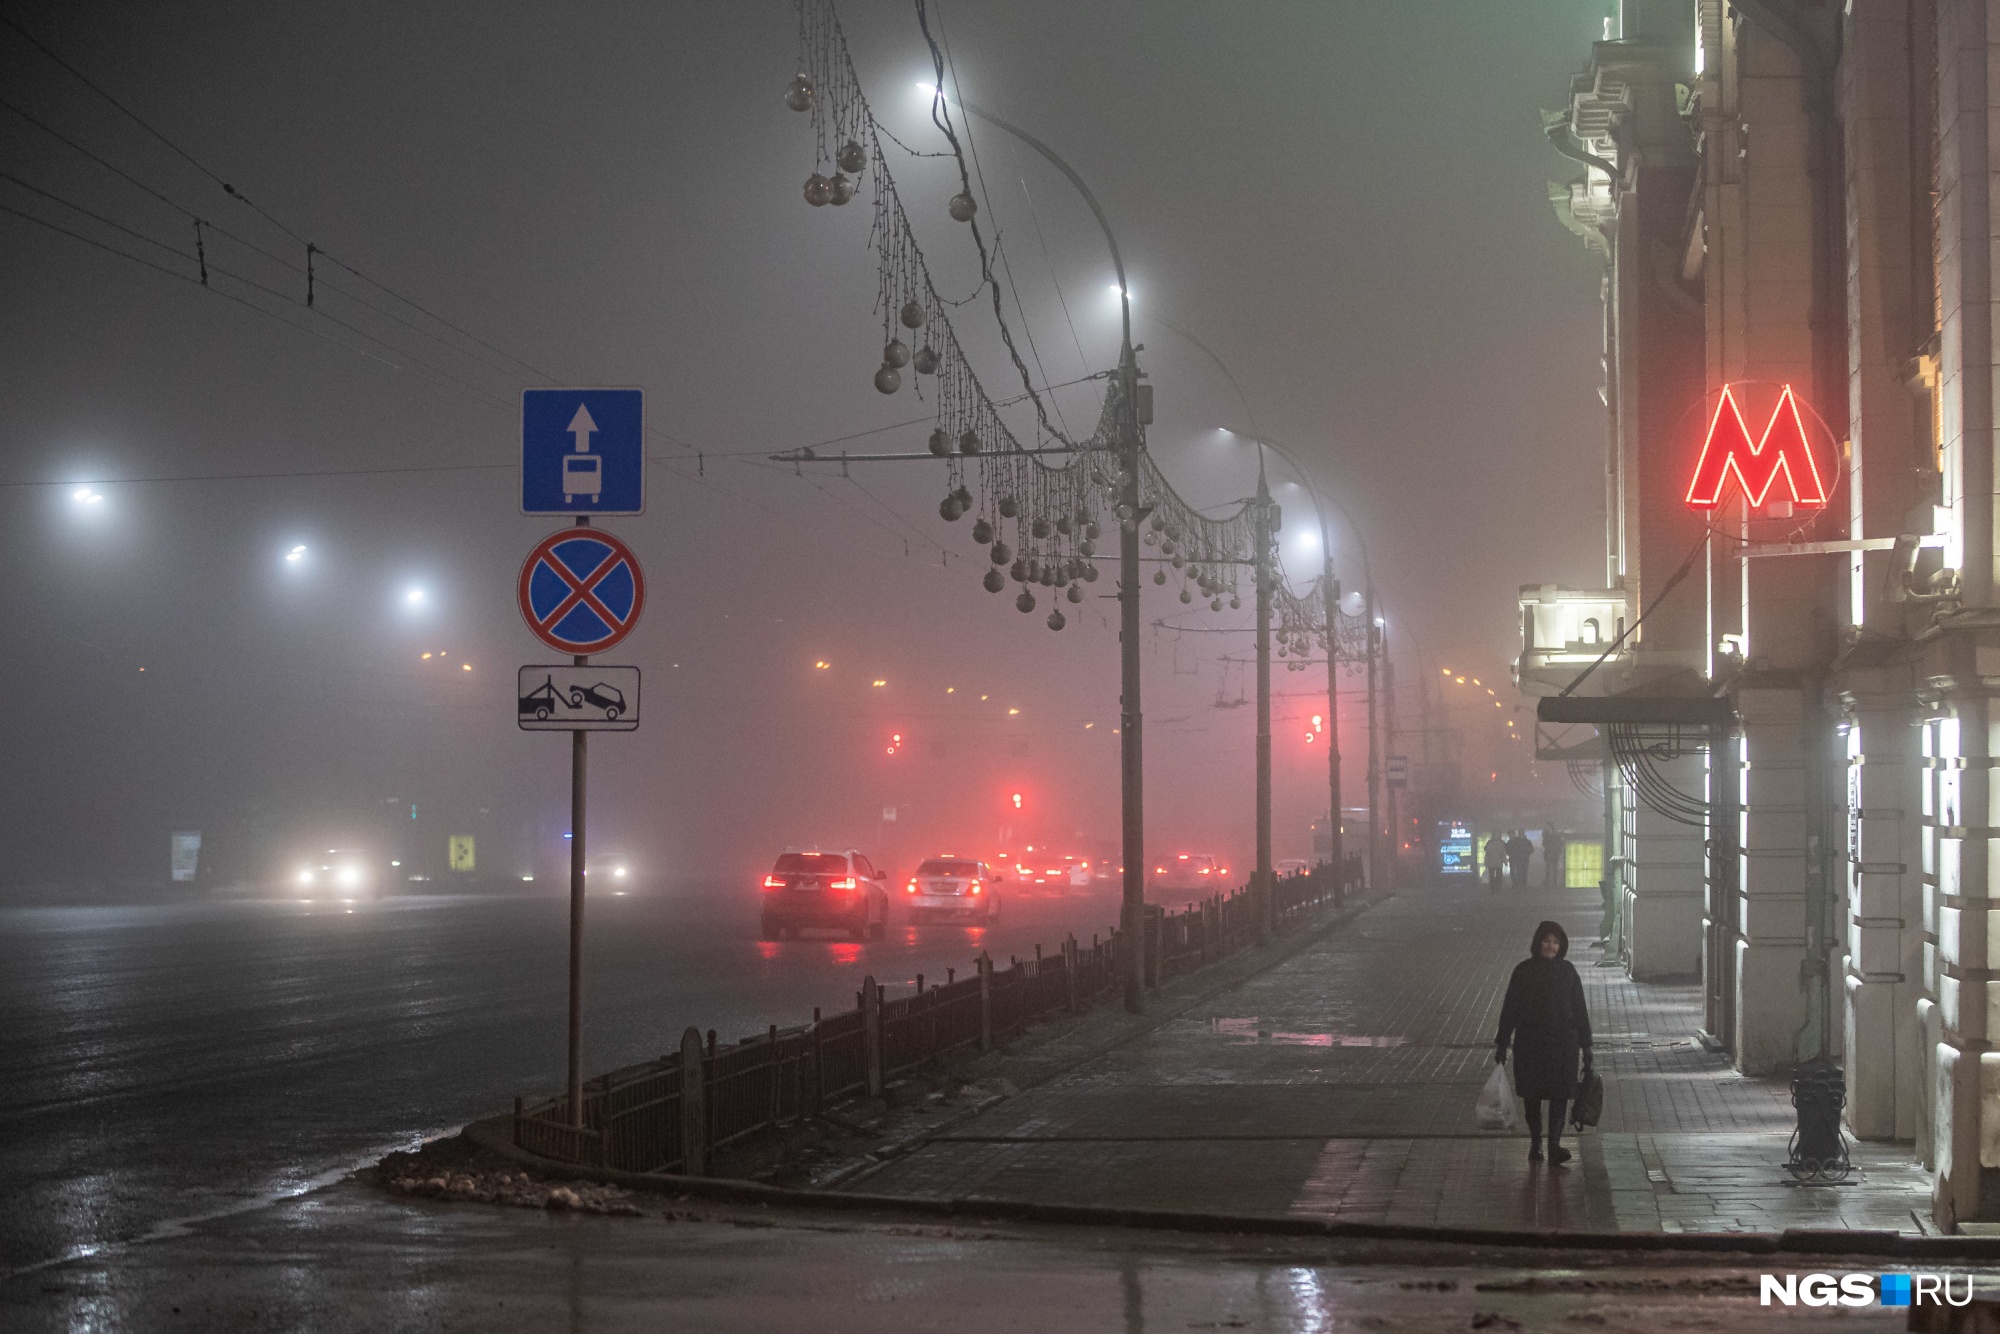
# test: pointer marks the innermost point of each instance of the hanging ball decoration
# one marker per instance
(1048, 578)
(1075, 593)
(926, 361)
(994, 581)
(1064, 526)
(1026, 602)
(1062, 575)
(964, 495)
(1087, 547)
(968, 443)
(1056, 621)
(895, 353)
(1008, 507)
(1215, 604)
(799, 96)
(1002, 553)
(1090, 574)
(1127, 524)
(913, 314)
(1040, 528)
(1186, 596)
(940, 442)
(1157, 522)
(1033, 571)
(1159, 576)
(851, 157)
(888, 379)
(962, 207)
(1177, 562)
(1174, 530)
(818, 189)
(1151, 539)
(1125, 513)
(982, 532)
(1018, 571)
(949, 509)
(840, 189)
(1235, 602)
(1090, 531)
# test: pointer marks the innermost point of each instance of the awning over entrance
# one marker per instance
(1607, 710)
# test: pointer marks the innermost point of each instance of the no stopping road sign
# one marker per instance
(581, 590)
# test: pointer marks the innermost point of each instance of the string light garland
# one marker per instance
(1041, 522)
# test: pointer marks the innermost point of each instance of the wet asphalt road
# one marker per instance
(352, 1258)
(179, 1061)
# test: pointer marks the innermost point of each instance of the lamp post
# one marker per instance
(1131, 752)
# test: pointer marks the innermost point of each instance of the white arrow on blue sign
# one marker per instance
(583, 451)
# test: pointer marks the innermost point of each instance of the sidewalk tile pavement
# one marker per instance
(1342, 1082)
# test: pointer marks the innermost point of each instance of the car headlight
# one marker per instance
(305, 877)
(348, 876)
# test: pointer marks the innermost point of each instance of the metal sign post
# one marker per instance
(580, 592)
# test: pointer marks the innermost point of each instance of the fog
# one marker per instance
(1346, 201)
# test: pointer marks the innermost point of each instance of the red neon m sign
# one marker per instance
(1782, 449)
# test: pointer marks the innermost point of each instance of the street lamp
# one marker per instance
(1132, 907)
(1329, 591)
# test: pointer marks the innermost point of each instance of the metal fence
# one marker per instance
(669, 1115)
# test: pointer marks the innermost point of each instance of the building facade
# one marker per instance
(1793, 205)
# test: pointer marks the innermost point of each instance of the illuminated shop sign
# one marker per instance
(1784, 450)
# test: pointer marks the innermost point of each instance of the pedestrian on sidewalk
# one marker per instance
(1496, 859)
(1519, 849)
(1545, 1019)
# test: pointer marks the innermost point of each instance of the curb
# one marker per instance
(491, 1134)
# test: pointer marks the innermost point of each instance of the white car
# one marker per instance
(338, 873)
(954, 887)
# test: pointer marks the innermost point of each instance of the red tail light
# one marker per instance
(848, 883)
(975, 886)
(774, 882)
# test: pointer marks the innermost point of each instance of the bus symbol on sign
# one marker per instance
(583, 475)
(583, 451)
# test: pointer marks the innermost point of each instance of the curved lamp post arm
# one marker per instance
(1097, 211)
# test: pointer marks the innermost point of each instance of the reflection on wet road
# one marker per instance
(172, 1061)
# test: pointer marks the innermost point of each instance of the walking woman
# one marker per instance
(1545, 1020)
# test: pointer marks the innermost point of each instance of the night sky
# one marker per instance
(1346, 201)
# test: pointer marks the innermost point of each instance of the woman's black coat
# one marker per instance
(1544, 1017)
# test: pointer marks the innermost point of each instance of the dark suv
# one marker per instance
(841, 891)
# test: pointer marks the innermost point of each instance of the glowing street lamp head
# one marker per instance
(296, 556)
(414, 597)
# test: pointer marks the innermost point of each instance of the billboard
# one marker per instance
(1455, 849)
(184, 854)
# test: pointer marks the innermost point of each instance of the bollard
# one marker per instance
(1818, 1148)
(1069, 971)
(777, 1077)
(985, 965)
(1151, 947)
(812, 1080)
(871, 1034)
(694, 1106)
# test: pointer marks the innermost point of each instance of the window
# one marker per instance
(811, 863)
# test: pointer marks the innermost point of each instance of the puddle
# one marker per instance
(1251, 1030)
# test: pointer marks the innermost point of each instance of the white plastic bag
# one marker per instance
(1496, 1101)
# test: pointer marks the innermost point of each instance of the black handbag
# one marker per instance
(1588, 1107)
